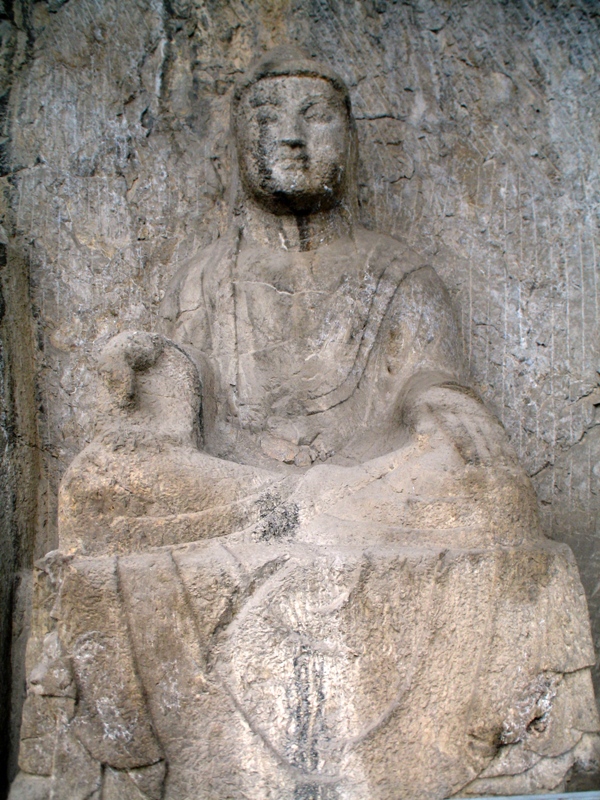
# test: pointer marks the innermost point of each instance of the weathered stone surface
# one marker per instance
(290, 669)
(145, 783)
(477, 126)
(115, 731)
(76, 774)
(377, 613)
(42, 718)
(544, 774)
(142, 482)
(31, 787)
(477, 132)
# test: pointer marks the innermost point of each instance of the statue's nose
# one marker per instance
(292, 132)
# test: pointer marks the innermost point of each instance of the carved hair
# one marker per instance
(290, 62)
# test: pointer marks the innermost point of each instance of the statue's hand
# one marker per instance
(153, 386)
(124, 355)
(458, 416)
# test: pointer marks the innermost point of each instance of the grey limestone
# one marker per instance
(299, 556)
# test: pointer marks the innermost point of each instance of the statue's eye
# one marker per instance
(267, 116)
(318, 112)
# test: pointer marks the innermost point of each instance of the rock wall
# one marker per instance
(19, 451)
(479, 142)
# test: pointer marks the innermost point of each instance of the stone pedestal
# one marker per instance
(287, 670)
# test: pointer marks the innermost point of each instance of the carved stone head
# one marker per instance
(294, 134)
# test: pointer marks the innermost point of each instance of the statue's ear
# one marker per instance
(123, 356)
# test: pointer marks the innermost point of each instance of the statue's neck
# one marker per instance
(291, 232)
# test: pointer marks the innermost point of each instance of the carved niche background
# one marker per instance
(479, 141)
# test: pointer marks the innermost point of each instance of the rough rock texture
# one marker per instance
(19, 466)
(326, 650)
(18, 435)
(280, 669)
(376, 613)
(477, 123)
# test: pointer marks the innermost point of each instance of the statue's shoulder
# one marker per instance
(416, 281)
(184, 291)
(395, 255)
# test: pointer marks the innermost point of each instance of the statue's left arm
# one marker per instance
(422, 354)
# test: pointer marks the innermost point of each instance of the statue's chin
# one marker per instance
(299, 203)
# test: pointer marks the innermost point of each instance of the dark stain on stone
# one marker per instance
(7, 11)
(315, 791)
(306, 699)
(278, 523)
(308, 710)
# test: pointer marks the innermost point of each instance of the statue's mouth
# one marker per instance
(295, 161)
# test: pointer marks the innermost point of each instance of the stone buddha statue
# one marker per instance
(300, 559)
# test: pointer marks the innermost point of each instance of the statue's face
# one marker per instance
(293, 138)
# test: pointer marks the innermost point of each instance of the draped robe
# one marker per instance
(388, 620)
